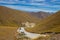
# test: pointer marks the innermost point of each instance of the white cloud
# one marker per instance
(12, 2)
(24, 8)
(39, 0)
(53, 0)
(37, 4)
(7, 2)
(22, 2)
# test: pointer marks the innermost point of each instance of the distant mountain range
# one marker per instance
(49, 24)
(40, 14)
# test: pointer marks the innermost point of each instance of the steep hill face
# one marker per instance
(12, 17)
(41, 14)
(50, 24)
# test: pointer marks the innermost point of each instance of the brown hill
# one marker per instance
(41, 14)
(50, 24)
(8, 33)
(11, 17)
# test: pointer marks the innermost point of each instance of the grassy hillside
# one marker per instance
(11, 17)
(50, 24)
(8, 33)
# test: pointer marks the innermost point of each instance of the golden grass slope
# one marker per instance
(12, 17)
(50, 24)
(7, 33)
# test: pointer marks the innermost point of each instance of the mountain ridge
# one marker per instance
(10, 16)
(41, 14)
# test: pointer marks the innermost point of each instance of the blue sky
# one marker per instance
(32, 5)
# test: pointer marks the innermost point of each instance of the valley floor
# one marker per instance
(7, 33)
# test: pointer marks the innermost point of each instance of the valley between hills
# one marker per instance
(11, 19)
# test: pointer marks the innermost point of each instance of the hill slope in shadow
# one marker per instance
(41, 15)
